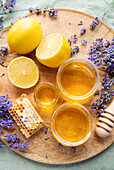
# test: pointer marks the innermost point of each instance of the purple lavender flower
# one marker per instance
(25, 119)
(1, 18)
(1, 130)
(52, 12)
(1, 27)
(18, 137)
(107, 83)
(94, 23)
(11, 2)
(103, 53)
(83, 30)
(31, 10)
(8, 139)
(112, 43)
(13, 139)
(38, 11)
(74, 50)
(11, 149)
(15, 145)
(84, 42)
(8, 6)
(3, 51)
(70, 42)
(6, 119)
(80, 23)
(74, 149)
(23, 146)
(46, 130)
(107, 43)
(111, 92)
(1, 3)
(15, 142)
(46, 139)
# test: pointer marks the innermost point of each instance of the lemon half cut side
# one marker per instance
(23, 72)
(53, 50)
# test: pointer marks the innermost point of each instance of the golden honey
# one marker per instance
(71, 124)
(77, 80)
(45, 95)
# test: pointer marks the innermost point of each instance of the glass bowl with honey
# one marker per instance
(46, 95)
(77, 80)
(71, 124)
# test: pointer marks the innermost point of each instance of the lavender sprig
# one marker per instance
(8, 8)
(74, 50)
(105, 96)
(15, 142)
(100, 104)
(107, 83)
(103, 53)
(6, 120)
(51, 12)
(94, 23)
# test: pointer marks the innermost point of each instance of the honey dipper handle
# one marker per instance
(110, 108)
(105, 123)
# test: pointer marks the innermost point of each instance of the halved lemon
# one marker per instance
(53, 50)
(23, 72)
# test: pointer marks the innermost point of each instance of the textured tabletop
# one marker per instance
(10, 160)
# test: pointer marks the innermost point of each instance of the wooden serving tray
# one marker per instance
(67, 24)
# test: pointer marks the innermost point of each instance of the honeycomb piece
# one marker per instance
(26, 116)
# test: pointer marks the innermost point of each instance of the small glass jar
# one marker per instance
(46, 95)
(66, 79)
(61, 112)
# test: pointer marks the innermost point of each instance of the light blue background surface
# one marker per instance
(103, 161)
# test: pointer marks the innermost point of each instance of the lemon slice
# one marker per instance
(23, 72)
(53, 50)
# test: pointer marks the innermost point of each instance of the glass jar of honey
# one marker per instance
(71, 124)
(77, 80)
(46, 95)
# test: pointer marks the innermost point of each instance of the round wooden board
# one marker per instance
(67, 24)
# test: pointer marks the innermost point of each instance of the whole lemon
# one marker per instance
(24, 36)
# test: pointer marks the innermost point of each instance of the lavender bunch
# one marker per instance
(106, 95)
(15, 142)
(5, 8)
(100, 104)
(6, 120)
(103, 53)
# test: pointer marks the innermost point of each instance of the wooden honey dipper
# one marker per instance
(106, 122)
